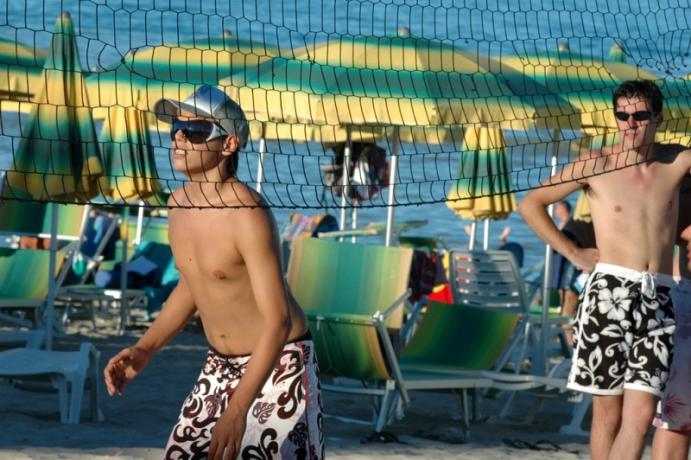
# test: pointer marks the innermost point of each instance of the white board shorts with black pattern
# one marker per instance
(623, 332)
(284, 421)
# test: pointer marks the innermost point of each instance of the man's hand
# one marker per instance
(124, 367)
(585, 259)
(226, 436)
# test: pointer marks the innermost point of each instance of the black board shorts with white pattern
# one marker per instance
(623, 334)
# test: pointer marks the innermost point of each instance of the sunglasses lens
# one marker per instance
(196, 131)
(638, 116)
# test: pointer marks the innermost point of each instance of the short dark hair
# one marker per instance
(645, 89)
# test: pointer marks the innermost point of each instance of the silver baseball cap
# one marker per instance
(208, 102)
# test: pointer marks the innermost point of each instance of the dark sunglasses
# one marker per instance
(197, 131)
(643, 115)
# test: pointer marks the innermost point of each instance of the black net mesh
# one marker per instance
(449, 101)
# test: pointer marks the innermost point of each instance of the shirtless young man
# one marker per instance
(625, 318)
(258, 394)
(673, 418)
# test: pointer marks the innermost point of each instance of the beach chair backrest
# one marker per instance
(153, 229)
(333, 277)
(28, 218)
(24, 273)
(487, 279)
(350, 349)
(459, 337)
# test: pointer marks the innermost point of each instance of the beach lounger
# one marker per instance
(69, 373)
(490, 280)
(353, 296)
(24, 284)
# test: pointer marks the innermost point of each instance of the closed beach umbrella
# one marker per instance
(129, 168)
(58, 157)
(582, 210)
(21, 67)
(483, 188)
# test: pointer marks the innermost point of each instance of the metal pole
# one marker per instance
(140, 224)
(540, 358)
(473, 231)
(395, 150)
(124, 307)
(260, 165)
(345, 179)
(353, 223)
(485, 236)
(52, 265)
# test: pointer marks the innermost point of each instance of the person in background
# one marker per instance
(673, 417)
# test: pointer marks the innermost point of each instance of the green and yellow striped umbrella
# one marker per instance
(425, 88)
(205, 60)
(483, 187)
(128, 156)
(582, 210)
(21, 67)
(58, 158)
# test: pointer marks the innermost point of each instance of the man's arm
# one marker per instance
(257, 242)
(129, 362)
(533, 208)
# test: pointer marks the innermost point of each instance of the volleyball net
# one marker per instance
(348, 103)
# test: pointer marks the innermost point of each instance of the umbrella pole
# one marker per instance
(473, 230)
(140, 224)
(52, 263)
(260, 165)
(345, 179)
(540, 359)
(485, 236)
(353, 223)
(124, 307)
(395, 149)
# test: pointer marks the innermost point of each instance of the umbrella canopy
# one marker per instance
(587, 84)
(482, 190)
(21, 67)
(130, 168)
(419, 85)
(58, 158)
(205, 60)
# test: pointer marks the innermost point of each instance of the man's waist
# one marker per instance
(633, 274)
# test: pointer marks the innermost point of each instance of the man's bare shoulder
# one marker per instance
(236, 194)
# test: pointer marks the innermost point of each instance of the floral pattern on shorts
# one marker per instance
(622, 336)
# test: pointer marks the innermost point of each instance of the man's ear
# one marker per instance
(231, 144)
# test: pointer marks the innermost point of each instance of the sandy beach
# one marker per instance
(137, 425)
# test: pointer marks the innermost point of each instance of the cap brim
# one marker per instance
(168, 110)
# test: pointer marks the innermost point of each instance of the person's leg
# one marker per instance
(637, 414)
(607, 412)
(671, 445)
